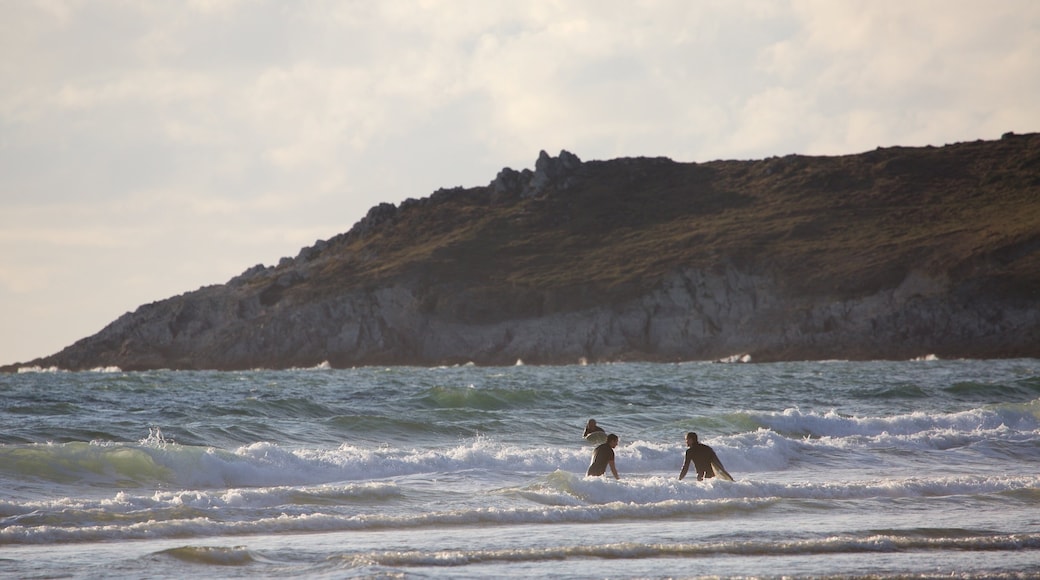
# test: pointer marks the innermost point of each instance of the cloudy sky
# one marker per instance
(150, 148)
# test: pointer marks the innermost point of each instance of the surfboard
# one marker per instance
(720, 471)
(596, 437)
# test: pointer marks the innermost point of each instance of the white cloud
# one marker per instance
(173, 145)
(911, 73)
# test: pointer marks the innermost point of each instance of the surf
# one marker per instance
(557, 498)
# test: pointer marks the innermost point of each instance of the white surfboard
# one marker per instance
(720, 471)
(596, 437)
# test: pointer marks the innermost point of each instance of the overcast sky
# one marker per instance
(150, 148)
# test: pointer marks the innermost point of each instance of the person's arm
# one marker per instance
(685, 468)
(614, 469)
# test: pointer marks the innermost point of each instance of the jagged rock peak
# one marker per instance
(555, 166)
(547, 171)
(551, 170)
(377, 215)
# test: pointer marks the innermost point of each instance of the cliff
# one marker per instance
(889, 254)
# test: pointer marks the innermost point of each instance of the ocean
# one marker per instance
(922, 469)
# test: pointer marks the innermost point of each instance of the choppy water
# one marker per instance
(924, 469)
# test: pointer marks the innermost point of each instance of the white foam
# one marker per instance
(699, 550)
(834, 424)
(39, 369)
(322, 366)
(54, 369)
(563, 498)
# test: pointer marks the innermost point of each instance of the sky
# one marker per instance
(148, 149)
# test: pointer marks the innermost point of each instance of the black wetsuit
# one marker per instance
(601, 458)
(701, 455)
(596, 429)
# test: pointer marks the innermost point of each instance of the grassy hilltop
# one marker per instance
(834, 227)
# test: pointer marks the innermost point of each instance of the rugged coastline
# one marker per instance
(889, 254)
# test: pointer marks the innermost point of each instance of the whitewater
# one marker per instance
(922, 469)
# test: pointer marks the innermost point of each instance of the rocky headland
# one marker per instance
(894, 253)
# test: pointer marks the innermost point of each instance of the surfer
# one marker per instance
(591, 427)
(603, 456)
(702, 457)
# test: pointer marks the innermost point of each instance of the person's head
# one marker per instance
(591, 423)
(612, 440)
(691, 438)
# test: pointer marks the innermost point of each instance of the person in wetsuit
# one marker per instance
(591, 427)
(603, 457)
(701, 455)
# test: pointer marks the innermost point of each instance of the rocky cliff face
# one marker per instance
(894, 253)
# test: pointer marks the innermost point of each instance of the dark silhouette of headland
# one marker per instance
(895, 253)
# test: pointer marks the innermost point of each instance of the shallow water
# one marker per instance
(922, 468)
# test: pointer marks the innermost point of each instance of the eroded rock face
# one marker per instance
(890, 254)
(692, 315)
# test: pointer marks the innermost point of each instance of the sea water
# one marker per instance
(873, 469)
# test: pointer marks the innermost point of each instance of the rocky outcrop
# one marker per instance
(894, 253)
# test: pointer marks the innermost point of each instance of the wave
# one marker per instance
(54, 369)
(766, 442)
(893, 542)
(212, 555)
(128, 510)
(1027, 387)
(149, 464)
(794, 422)
(560, 497)
(271, 408)
(471, 397)
(564, 488)
(39, 369)
(397, 429)
(159, 462)
(322, 366)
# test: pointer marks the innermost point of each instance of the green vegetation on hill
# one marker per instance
(823, 226)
